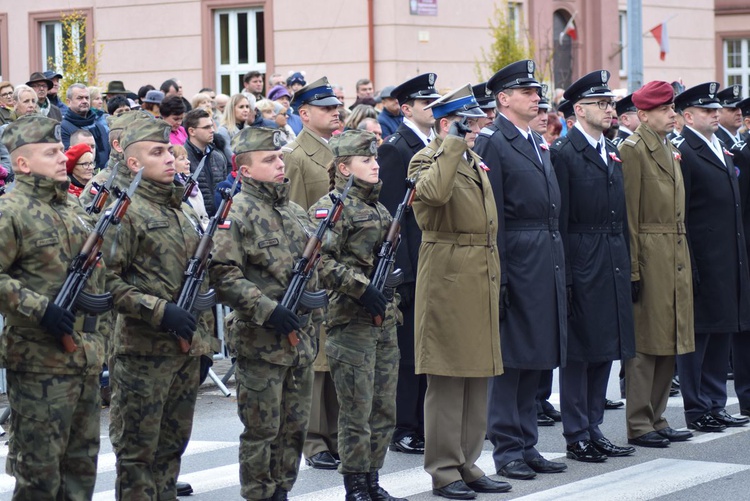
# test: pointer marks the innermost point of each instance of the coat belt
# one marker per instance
(551, 224)
(678, 228)
(614, 227)
(470, 239)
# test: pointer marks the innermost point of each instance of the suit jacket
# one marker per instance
(532, 259)
(718, 255)
(594, 229)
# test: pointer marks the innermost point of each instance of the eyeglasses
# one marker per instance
(603, 104)
(6, 94)
(86, 165)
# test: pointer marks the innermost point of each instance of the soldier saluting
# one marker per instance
(54, 395)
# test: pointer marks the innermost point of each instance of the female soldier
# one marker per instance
(363, 358)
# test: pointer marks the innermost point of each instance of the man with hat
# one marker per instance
(274, 378)
(718, 254)
(306, 161)
(593, 228)
(486, 103)
(456, 317)
(414, 133)
(155, 384)
(52, 94)
(390, 117)
(565, 109)
(296, 81)
(730, 116)
(533, 313)
(627, 119)
(42, 86)
(661, 280)
(54, 394)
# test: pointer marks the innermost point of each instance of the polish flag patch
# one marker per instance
(321, 213)
(225, 225)
(93, 190)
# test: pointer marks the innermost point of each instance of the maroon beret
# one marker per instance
(653, 95)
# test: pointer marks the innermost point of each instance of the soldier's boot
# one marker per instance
(356, 487)
(376, 492)
(279, 495)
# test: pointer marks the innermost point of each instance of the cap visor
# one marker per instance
(326, 101)
(472, 113)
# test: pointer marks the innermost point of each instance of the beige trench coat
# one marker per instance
(457, 328)
(659, 254)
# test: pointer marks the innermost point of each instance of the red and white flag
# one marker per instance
(662, 38)
(569, 29)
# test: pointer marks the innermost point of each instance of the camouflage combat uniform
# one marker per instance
(252, 264)
(156, 385)
(363, 358)
(54, 395)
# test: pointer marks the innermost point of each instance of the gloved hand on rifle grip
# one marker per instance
(504, 301)
(459, 128)
(284, 320)
(57, 321)
(179, 321)
(374, 301)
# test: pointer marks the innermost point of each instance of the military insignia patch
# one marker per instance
(374, 147)
(736, 90)
(93, 190)
(268, 243)
(225, 225)
(166, 134)
(58, 134)
(431, 79)
(277, 139)
(712, 89)
(530, 66)
(321, 213)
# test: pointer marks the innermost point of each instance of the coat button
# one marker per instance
(617, 270)
(554, 206)
(679, 268)
(493, 278)
(557, 268)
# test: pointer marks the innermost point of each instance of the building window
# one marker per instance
(54, 37)
(240, 47)
(623, 44)
(737, 63)
(514, 17)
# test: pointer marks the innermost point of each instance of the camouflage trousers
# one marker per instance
(364, 364)
(153, 400)
(55, 435)
(273, 402)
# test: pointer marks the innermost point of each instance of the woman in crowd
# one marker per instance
(182, 167)
(80, 167)
(236, 116)
(95, 96)
(363, 356)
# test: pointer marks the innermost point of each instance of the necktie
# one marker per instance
(599, 148)
(530, 138)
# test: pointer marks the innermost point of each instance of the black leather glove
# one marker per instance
(206, 364)
(504, 301)
(459, 128)
(406, 291)
(57, 321)
(284, 320)
(635, 290)
(179, 321)
(569, 295)
(374, 301)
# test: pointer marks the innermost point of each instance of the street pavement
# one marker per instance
(709, 467)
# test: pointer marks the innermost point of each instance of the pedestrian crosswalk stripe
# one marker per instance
(648, 480)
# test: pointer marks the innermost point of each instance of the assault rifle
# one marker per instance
(192, 181)
(71, 295)
(382, 276)
(102, 194)
(191, 299)
(296, 294)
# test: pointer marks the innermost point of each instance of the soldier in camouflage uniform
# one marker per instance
(363, 358)
(54, 395)
(155, 384)
(255, 251)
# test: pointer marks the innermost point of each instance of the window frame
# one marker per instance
(744, 70)
(36, 23)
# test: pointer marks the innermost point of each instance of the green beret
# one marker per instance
(124, 119)
(145, 130)
(256, 139)
(354, 143)
(31, 129)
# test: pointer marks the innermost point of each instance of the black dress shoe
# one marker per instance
(674, 435)
(604, 446)
(322, 461)
(486, 484)
(553, 414)
(728, 420)
(611, 404)
(517, 469)
(408, 444)
(541, 465)
(707, 423)
(543, 420)
(183, 488)
(584, 451)
(745, 412)
(650, 439)
(455, 490)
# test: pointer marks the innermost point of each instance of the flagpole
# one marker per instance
(635, 46)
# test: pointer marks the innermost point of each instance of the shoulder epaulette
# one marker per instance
(677, 141)
(486, 131)
(739, 146)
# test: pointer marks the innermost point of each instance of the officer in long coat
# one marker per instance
(721, 280)
(661, 284)
(457, 299)
(533, 311)
(394, 155)
(593, 225)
